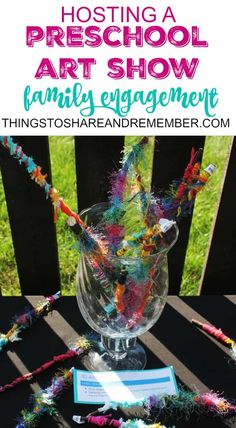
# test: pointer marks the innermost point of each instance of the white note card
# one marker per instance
(102, 387)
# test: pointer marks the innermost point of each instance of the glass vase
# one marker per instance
(124, 304)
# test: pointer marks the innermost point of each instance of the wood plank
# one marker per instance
(31, 220)
(96, 158)
(219, 273)
(171, 157)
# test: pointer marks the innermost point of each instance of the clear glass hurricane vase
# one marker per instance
(124, 304)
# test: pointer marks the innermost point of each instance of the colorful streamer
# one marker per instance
(25, 320)
(219, 335)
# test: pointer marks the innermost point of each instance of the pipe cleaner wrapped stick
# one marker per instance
(25, 320)
(219, 335)
(81, 346)
(44, 401)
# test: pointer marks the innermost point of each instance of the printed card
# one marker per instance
(101, 387)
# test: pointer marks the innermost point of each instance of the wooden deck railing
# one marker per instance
(33, 229)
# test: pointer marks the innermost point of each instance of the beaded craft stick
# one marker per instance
(90, 238)
(25, 320)
(219, 335)
(44, 400)
(102, 421)
(80, 346)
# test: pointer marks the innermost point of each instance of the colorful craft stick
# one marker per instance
(81, 345)
(102, 421)
(119, 181)
(219, 335)
(215, 332)
(44, 400)
(203, 177)
(184, 403)
(25, 320)
(126, 229)
(179, 200)
(89, 236)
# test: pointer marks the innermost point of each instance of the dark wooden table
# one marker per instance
(199, 361)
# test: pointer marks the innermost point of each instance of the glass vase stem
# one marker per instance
(117, 348)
